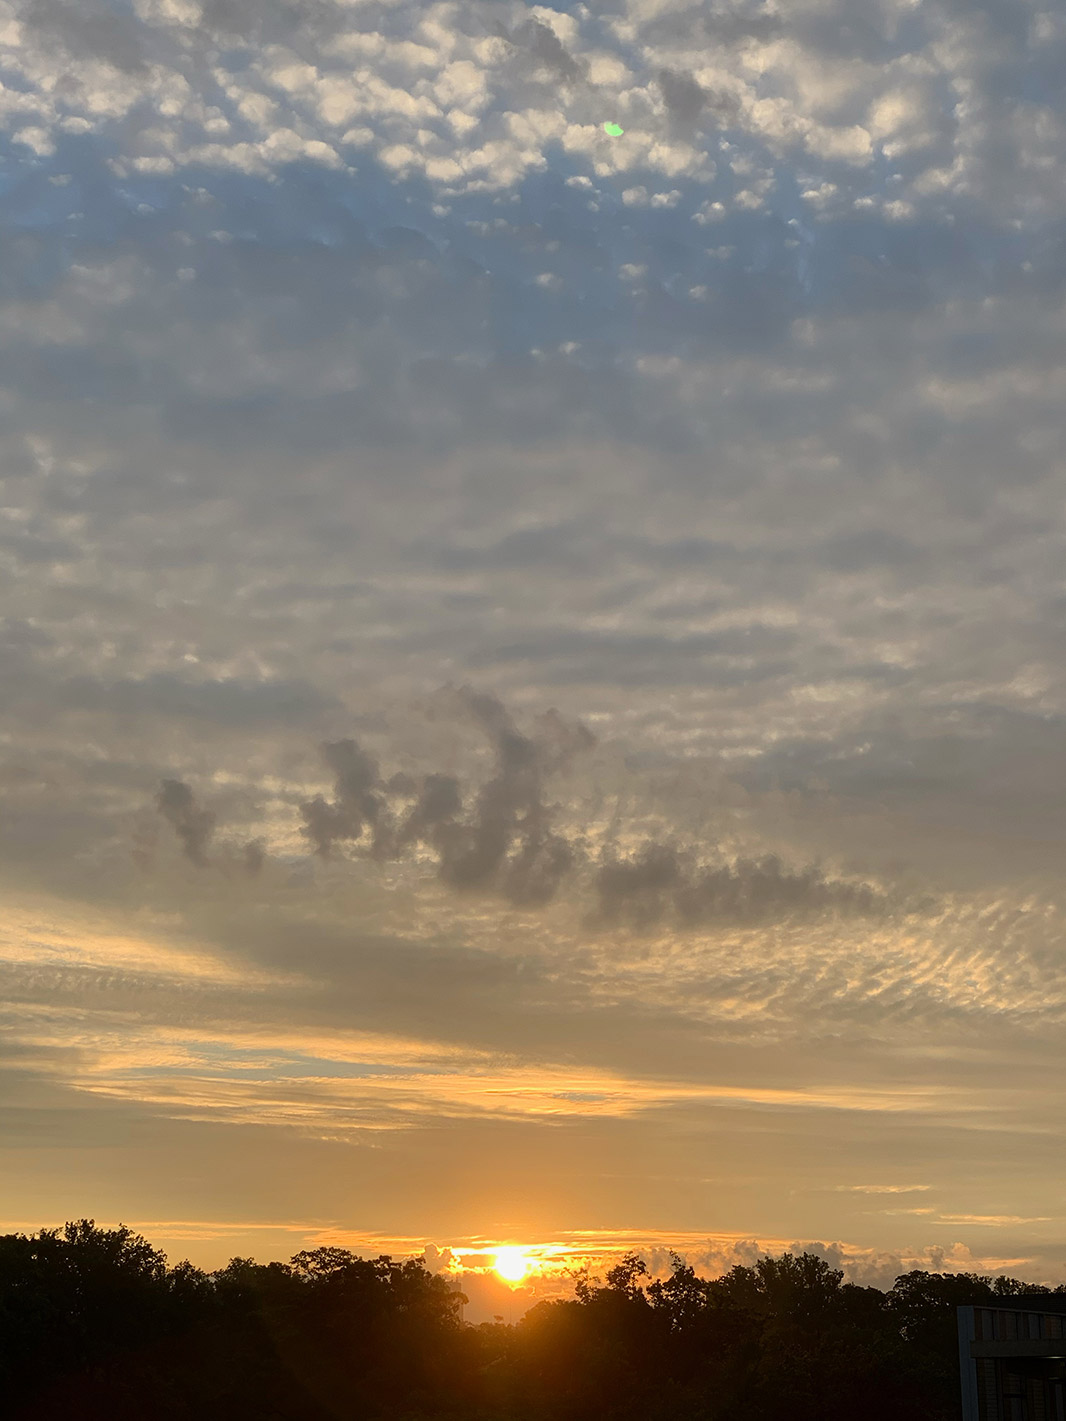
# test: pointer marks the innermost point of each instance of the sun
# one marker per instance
(512, 1263)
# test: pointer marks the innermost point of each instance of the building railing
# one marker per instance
(1009, 1325)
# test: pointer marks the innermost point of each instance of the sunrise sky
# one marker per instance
(533, 685)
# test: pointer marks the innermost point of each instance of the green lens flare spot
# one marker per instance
(615, 130)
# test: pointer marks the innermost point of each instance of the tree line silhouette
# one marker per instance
(94, 1325)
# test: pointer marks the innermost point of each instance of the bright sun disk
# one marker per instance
(512, 1264)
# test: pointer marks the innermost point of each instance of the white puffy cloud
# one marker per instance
(830, 90)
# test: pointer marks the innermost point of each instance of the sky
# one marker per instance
(533, 704)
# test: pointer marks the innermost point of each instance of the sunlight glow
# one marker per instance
(512, 1263)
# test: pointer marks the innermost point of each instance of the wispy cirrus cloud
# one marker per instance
(882, 1188)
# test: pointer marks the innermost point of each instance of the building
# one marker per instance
(1012, 1359)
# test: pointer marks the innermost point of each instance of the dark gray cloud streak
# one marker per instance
(504, 837)
(356, 806)
(661, 884)
(193, 824)
(510, 810)
(505, 840)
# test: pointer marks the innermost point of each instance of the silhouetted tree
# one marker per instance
(94, 1325)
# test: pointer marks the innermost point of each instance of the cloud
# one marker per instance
(254, 857)
(192, 824)
(682, 95)
(237, 701)
(995, 1220)
(438, 801)
(505, 841)
(438, 1259)
(356, 805)
(88, 30)
(510, 808)
(659, 883)
(546, 49)
(883, 1188)
(503, 837)
(465, 104)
